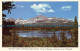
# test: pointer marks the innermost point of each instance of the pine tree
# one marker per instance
(63, 39)
(6, 30)
(75, 32)
(54, 40)
(75, 21)
(7, 6)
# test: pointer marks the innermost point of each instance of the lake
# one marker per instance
(43, 34)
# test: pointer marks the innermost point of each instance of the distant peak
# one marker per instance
(40, 16)
(10, 18)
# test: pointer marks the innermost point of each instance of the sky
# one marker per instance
(27, 10)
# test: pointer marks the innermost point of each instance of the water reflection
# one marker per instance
(43, 34)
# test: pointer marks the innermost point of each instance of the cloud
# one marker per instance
(19, 6)
(66, 8)
(42, 8)
(50, 10)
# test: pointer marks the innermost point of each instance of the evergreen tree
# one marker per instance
(7, 35)
(75, 32)
(63, 39)
(7, 6)
(75, 21)
(54, 40)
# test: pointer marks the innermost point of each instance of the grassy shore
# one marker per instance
(10, 41)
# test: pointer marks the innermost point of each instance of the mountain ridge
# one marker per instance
(40, 19)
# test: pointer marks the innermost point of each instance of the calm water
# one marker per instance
(42, 34)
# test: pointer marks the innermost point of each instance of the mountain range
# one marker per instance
(40, 19)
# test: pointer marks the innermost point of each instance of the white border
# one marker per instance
(38, 48)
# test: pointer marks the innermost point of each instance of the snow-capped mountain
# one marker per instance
(10, 19)
(40, 19)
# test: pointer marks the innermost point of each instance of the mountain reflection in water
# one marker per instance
(43, 34)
